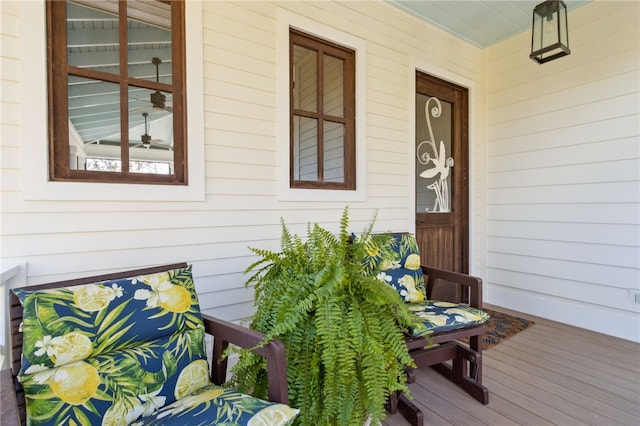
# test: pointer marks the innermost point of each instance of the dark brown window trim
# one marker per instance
(58, 72)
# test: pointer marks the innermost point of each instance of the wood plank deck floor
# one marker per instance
(548, 374)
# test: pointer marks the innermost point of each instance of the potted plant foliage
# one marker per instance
(342, 327)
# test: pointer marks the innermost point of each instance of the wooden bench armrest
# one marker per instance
(473, 284)
(8, 403)
(225, 332)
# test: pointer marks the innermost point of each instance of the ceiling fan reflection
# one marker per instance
(157, 99)
(146, 140)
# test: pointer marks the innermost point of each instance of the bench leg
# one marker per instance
(399, 402)
(469, 379)
(392, 403)
(410, 411)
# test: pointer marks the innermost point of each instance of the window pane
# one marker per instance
(152, 167)
(333, 152)
(150, 139)
(333, 80)
(151, 101)
(149, 40)
(87, 78)
(94, 109)
(305, 148)
(94, 120)
(92, 38)
(103, 164)
(322, 103)
(305, 79)
(151, 129)
(108, 165)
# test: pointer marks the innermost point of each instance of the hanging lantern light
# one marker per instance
(549, 33)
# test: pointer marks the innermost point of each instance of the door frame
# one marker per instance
(477, 157)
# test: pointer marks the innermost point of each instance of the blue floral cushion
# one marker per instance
(119, 387)
(213, 405)
(70, 324)
(444, 316)
(111, 352)
(395, 259)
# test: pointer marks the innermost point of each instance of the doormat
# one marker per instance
(501, 326)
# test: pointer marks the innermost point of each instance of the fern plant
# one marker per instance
(342, 328)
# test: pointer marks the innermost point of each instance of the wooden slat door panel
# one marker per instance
(436, 245)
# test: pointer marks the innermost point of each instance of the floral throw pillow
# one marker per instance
(70, 324)
(112, 351)
(395, 259)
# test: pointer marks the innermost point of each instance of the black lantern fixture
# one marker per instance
(549, 33)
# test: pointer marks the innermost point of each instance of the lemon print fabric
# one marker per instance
(412, 262)
(75, 383)
(439, 316)
(164, 294)
(62, 350)
(194, 376)
(95, 297)
(111, 352)
(272, 415)
(395, 259)
(213, 405)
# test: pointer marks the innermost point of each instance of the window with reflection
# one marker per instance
(322, 111)
(116, 91)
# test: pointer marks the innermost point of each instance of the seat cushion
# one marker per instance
(395, 259)
(119, 386)
(439, 316)
(213, 405)
(116, 349)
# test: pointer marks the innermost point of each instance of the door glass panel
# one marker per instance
(434, 162)
(333, 152)
(305, 148)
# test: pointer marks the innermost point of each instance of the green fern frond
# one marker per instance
(342, 328)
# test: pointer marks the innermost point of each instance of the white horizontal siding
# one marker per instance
(563, 174)
(587, 253)
(620, 213)
(616, 192)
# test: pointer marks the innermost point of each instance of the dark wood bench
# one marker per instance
(224, 333)
(457, 354)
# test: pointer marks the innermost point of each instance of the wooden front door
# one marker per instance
(442, 183)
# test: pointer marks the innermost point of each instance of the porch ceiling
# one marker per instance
(482, 23)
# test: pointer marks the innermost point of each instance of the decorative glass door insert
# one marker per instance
(434, 162)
